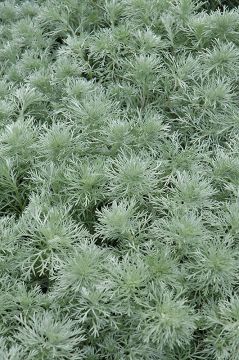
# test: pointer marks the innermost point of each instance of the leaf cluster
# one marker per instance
(119, 180)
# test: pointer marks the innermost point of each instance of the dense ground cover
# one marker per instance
(119, 180)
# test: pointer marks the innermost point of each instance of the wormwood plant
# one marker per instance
(119, 180)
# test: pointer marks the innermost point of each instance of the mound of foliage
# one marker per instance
(119, 180)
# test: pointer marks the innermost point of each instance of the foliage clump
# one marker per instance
(119, 180)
